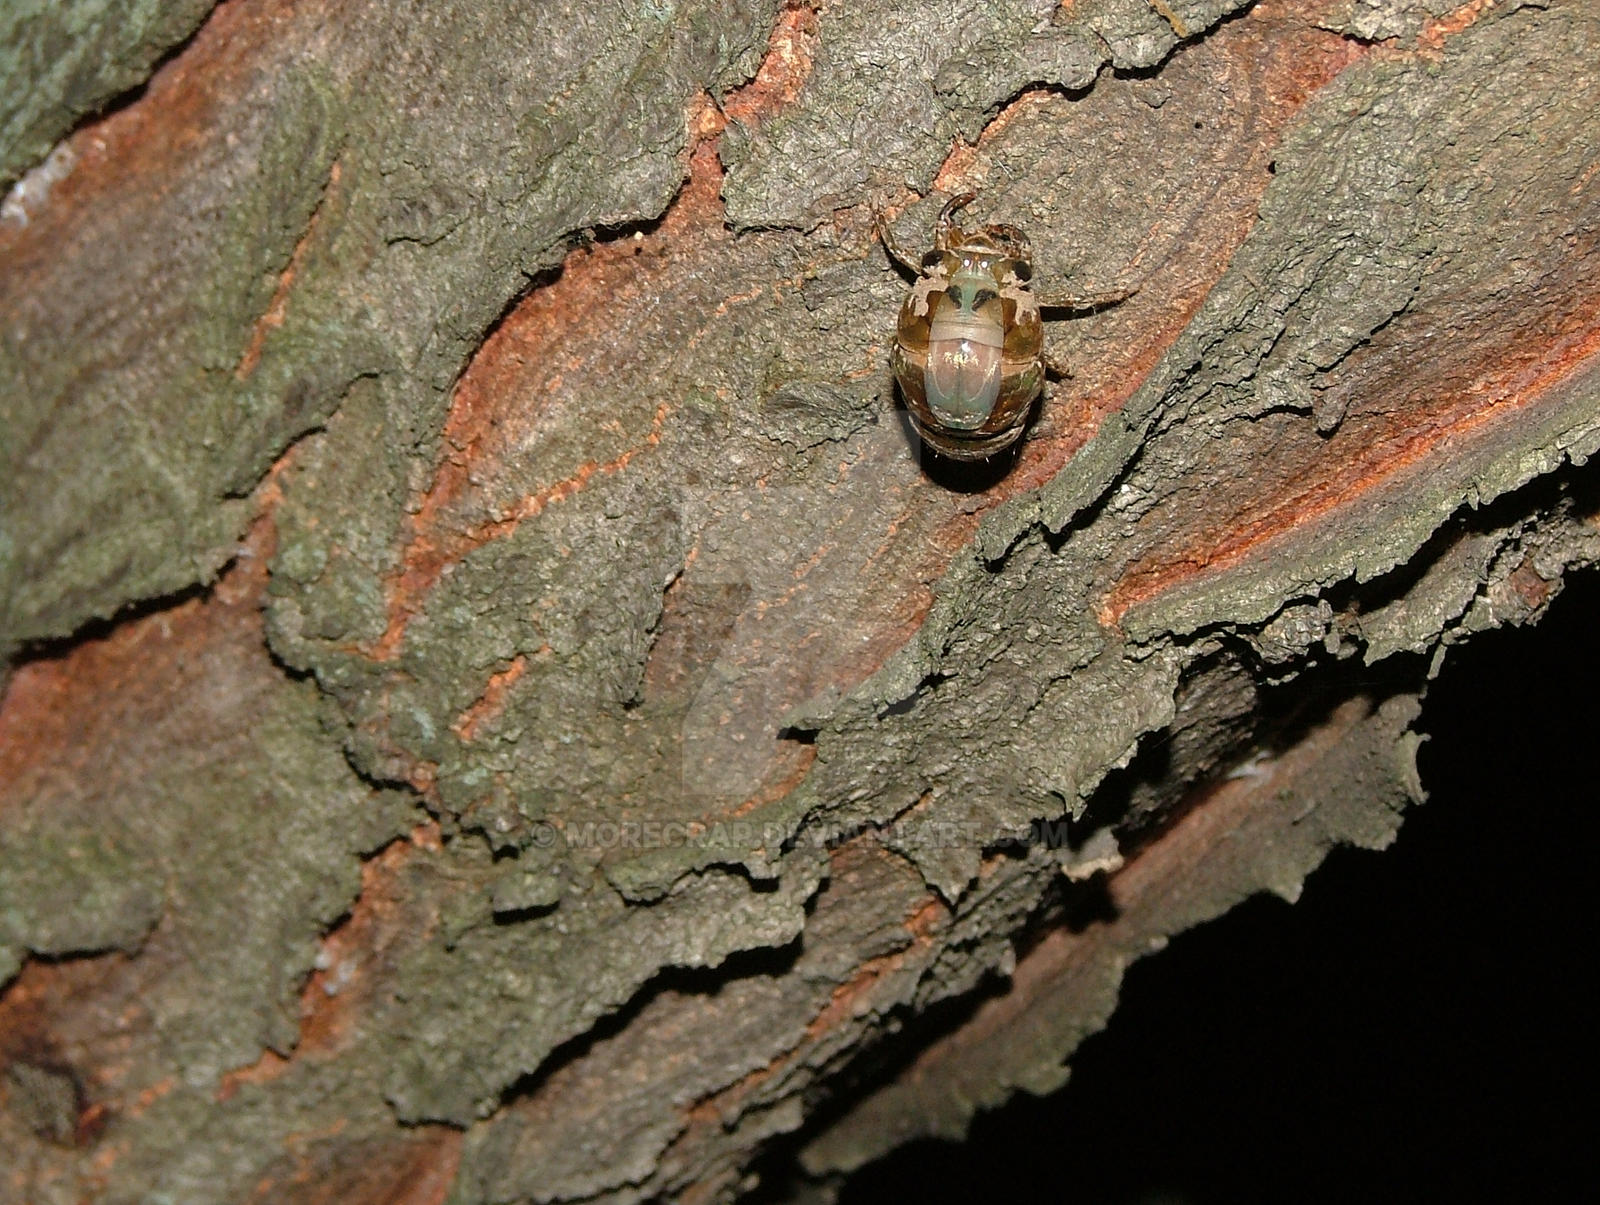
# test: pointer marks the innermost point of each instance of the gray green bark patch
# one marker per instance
(440, 184)
(217, 835)
(890, 93)
(61, 62)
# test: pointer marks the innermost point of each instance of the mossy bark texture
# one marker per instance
(496, 707)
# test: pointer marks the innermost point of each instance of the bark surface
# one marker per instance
(497, 708)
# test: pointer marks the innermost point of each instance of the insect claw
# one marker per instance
(941, 228)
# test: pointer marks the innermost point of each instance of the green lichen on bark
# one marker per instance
(63, 61)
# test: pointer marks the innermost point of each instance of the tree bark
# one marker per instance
(500, 710)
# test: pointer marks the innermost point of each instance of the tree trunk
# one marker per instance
(499, 708)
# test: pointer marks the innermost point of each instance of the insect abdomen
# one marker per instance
(965, 364)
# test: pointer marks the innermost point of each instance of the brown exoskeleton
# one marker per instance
(969, 351)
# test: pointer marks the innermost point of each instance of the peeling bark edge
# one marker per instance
(1347, 782)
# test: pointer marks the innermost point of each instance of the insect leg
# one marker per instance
(1092, 301)
(880, 227)
(941, 228)
(1020, 248)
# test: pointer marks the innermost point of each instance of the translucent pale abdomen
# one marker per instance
(964, 369)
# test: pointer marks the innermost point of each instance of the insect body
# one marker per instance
(969, 350)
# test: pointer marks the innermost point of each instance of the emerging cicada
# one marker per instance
(969, 351)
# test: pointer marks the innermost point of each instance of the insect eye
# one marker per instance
(1023, 270)
(931, 261)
